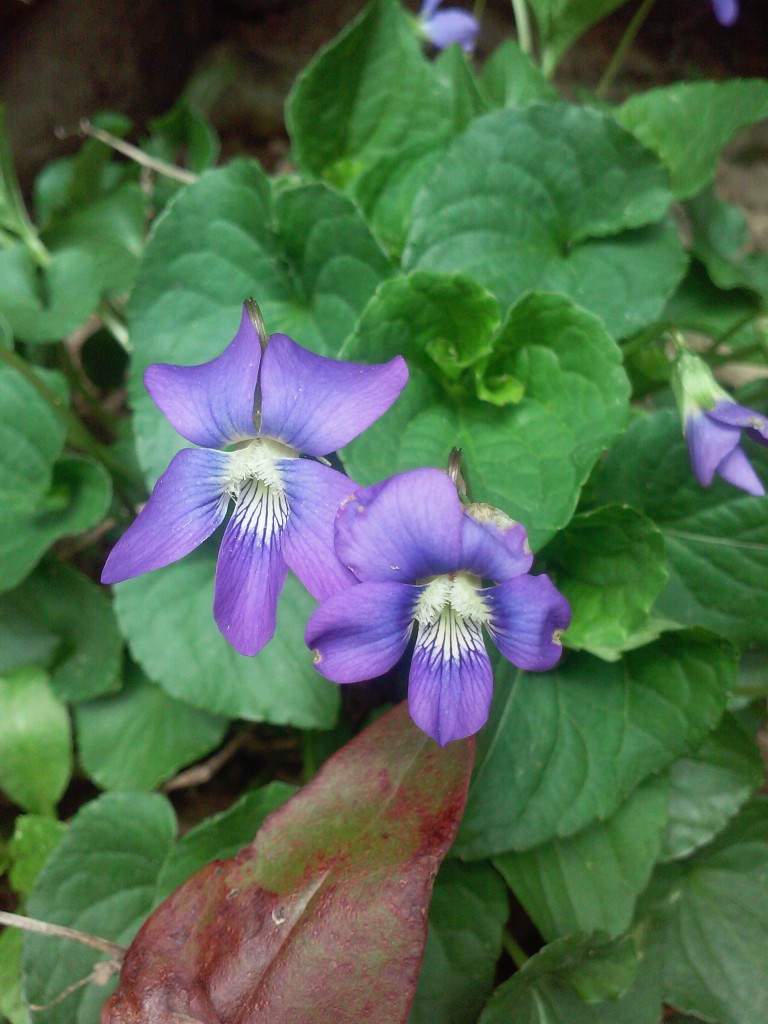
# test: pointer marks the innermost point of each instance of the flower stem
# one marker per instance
(516, 952)
(77, 434)
(622, 49)
(479, 9)
(523, 26)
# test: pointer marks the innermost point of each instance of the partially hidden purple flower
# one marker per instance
(713, 424)
(726, 11)
(442, 28)
(264, 410)
(423, 561)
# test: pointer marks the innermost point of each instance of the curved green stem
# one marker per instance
(523, 26)
(516, 952)
(77, 434)
(622, 49)
(479, 9)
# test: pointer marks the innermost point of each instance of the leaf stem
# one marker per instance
(136, 154)
(77, 434)
(523, 26)
(30, 924)
(479, 9)
(625, 44)
(514, 949)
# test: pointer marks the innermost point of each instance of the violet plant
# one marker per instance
(458, 259)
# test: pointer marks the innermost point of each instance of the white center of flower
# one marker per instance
(450, 612)
(256, 484)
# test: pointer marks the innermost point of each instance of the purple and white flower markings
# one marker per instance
(253, 411)
(442, 28)
(423, 561)
(713, 424)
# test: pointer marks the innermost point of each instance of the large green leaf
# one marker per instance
(716, 538)
(591, 880)
(719, 239)
(610, 565)
(709, 786)
(78, 499)
(566, 747)
(308, 259)
(335, 885)
(84, 653)
(509, 78)
(575, 980)
(561, 22)
(466, 917)
(711, 920)
(570, 204)
(35, 742)
(139, 737)
(367, 93)
(34, 839)
(687, 124)
(100, 879)
(167, 617)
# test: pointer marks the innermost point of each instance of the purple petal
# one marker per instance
(709, 442)
(317, 405)
(493, 545)
(361, 632)
(736, 469)
(404, 529)
(726, 11)
(211, 404)
(251, 569)
(187, 504)
(450, 683)
(428, 8)
(528, 613)
(734, 415)
(452, 26)
(315, 493)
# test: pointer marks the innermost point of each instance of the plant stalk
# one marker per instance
(624, 46)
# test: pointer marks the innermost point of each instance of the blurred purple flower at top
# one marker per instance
(713, 424)
(442, 28)
(421, 558)
(726, 11)
(266, 408)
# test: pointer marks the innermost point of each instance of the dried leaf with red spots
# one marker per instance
(323, 918)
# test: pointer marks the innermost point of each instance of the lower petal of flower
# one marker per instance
(450, 684)
(709, 442)
(314, 494)
(187, 504)
(528, 614)
(361, 632)
(736, 469)
(251, 569)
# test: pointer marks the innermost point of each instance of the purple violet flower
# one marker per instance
(421, 559)
(442, 28)
(713, 424)
(726, 11)
(266, 409)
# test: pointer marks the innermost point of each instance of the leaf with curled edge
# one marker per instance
(324, 916)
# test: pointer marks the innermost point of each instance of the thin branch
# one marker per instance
(100, 975)
(136, 154)
(625, 43)
(29, 924)
(201, 773)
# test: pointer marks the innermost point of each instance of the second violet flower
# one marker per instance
(253, 413)
(423, 561)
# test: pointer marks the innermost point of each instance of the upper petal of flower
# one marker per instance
(317, 405)
(709, 442)
(735, 415)
(493, 545)
(428, 8)
(362, 632)
(187, 504)
(726, 11)
(736, 469)
(251, 569)
(404, 529)
(451, 682)
(452, 26)
(211, 404)
(314, 494)
(528, 614)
